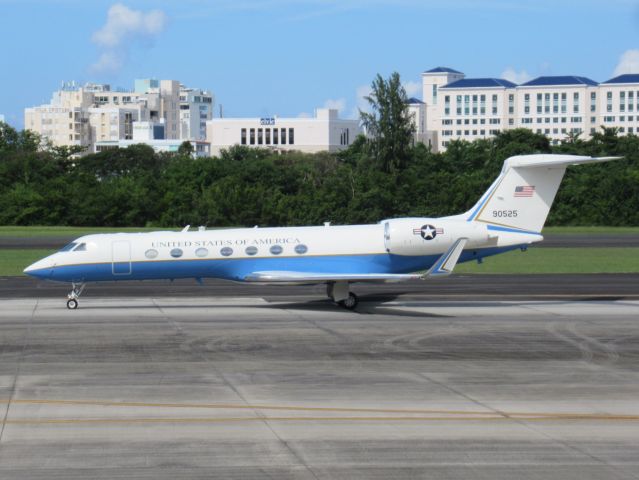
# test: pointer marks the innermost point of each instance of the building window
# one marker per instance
(434, 94)
(243, 141)
(268, 136)
(260, 137)
(283, 136)
(252, 137)
(291, 136)
(275, 136)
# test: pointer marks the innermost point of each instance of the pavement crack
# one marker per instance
(463, 395)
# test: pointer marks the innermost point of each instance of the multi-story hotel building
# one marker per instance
(324, 132)
(456, 107)
(92, 113)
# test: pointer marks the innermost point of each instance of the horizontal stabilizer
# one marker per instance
(550, 161)
(305, 278)
(446, 263)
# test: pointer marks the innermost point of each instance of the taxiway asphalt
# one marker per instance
(244, 386)
(457, 287)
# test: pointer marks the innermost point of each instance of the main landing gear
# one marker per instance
(340, 294)
(72, 302)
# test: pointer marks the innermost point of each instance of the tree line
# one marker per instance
(378, 177)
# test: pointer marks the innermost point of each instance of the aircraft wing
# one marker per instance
(301, 278)
(442, 267)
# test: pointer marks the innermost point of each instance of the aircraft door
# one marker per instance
(387, 236)
(121, 251)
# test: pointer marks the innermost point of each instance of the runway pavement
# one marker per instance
(550, 240)
(265, 386)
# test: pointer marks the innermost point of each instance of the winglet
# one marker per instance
(446, 263)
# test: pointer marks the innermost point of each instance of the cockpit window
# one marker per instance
(80, 248)
(68, 247)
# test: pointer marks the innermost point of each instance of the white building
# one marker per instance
(92, 113)
(324, 132)
(196, 108)
(152, 134)
(556, 106)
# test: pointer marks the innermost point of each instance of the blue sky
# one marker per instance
(288, 57)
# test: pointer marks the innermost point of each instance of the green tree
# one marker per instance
(186, 149)
(520, 141)
(388, 124)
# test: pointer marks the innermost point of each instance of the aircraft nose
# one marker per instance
(40, 269)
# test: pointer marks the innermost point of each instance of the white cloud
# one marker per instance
(124, 27)
(628, 63)
(338, 104)
(413, 89)
(123, 23)
(514, 76)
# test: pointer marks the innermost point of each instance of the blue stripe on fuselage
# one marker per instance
(239, 268)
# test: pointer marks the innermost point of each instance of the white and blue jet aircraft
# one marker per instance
(510, 215)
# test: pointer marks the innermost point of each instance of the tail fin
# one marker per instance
(521, 197)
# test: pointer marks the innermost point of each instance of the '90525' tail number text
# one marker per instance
(504, 213)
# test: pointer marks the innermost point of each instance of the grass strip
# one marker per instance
(13, 261)
(558, 260)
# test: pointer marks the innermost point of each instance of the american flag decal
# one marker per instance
(524, 191)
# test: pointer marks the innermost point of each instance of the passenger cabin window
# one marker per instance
(176, 253)
(276, 249)
(201, 252)
(68, 247)
(251, 250)
(151, 253)
(226, 251)
(301, 249)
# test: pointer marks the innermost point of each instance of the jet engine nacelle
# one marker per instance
(425, 236)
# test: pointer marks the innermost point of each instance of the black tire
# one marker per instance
(351, 302)
(72, 304)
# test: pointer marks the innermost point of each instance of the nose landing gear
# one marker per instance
(77, 289)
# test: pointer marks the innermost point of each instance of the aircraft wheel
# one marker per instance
(72, 304)
(351, 302)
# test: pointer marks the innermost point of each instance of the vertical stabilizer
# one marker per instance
(523, 193)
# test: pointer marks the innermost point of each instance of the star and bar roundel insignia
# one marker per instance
(428, 232)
